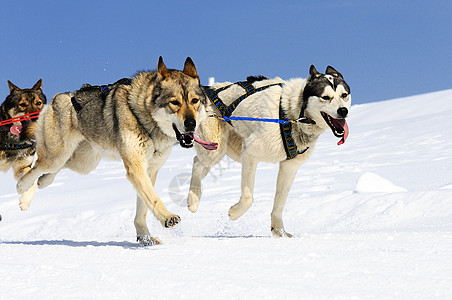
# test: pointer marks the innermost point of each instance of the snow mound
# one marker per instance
(372, 183)
(446, 187)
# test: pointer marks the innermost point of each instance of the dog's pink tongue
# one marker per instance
(345, 127)
(16, 129)
(206, 145)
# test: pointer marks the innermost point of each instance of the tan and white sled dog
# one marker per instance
(313, 105)
(137, 120)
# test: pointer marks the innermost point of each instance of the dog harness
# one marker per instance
(285, 125)
(227, 110)
(104, 90)
(286, 133)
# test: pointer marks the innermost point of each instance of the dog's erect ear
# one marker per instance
(161, 68)
(331, 71)
(12, 87)
(38, 85)
(313, 72)
(189, 68)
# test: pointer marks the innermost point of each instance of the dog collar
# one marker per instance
(16, 146)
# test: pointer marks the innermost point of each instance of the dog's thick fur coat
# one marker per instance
(135, 121)
(323, 99)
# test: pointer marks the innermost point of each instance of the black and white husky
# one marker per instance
(312, 105)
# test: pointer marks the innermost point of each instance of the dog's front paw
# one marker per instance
(27, 196)
(237, 210)
(193, 201)
(24, 204)
(147, 240)
(280, 232)
(172, 221)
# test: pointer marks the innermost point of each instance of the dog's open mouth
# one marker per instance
(338, 126)
(186, 140)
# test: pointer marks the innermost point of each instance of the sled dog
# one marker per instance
(313, 105)
(137, 120)
(17, 148)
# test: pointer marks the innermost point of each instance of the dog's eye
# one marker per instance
(326, 98)
(23, 105)
(344, 95)
(175, 102)
(195, 100)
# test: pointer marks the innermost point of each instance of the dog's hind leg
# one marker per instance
(46, 179)
(286, 176)
(56, 137)
(249, 165)
(84, 159)
(49, 161)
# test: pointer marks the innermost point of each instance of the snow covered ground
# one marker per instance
(371, 219)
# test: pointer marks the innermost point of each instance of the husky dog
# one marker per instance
(313, 105)
(137, 120)
(17, 148)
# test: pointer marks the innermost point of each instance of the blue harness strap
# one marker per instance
(233, 118)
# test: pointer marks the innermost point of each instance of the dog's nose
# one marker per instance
(190, 124)
(342, 111)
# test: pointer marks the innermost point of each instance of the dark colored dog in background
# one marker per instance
(17, 147)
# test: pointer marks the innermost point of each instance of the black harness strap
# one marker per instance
(286, 134)
(104, 90)
(76, 105)
(213, 96)
(227, 110)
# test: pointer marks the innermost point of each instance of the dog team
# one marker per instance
(251, 121)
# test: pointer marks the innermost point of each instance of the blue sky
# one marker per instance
(384, 49)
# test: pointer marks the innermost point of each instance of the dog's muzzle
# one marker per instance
(185, 139)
